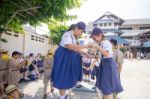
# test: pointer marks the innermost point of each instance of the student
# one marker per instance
(48, 63)
(86, 68)
(4, 70)
(33, 72)
(14, 66)
(95, 65)
(13, 92)
(67, 68)
(118, 58)
(108, 77)
(117, 54)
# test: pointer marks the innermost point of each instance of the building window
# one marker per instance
(105, 24)
(101, 24)
(110, 24)
(8, 33)
(42, 39)
(16, 35)
(32, 37)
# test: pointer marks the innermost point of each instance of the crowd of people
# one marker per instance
(18, 69)
(65, 67)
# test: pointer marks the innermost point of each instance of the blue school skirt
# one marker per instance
(67, 68)
(94, 72)
(86, 72)
(108, 77)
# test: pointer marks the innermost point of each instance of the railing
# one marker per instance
(135, 42)
(132, 31)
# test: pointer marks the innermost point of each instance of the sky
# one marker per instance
(91, 10)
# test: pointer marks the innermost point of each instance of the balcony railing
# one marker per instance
(132, 31)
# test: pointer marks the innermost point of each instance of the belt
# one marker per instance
(14, 70)
(47, 68)
(4, 69)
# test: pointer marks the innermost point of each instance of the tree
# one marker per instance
(57, 29)
(14, 13)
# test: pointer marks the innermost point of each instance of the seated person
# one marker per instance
(33, 72)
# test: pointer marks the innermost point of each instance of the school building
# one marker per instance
(130, 32)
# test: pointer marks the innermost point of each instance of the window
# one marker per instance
(42, 39)
(16, 35)
(101, 24)
(105, 24)
(110, 24)
(32, 37)
(8, 33)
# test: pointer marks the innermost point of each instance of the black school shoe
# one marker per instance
(79, 86)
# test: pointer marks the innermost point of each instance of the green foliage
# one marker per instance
(56, 30)
(122, 49)
(14, 13)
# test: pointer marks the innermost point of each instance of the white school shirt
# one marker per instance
(106, 45)
(97, 63)
(68, 38)
(86, 60)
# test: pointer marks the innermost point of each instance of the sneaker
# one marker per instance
(93, 87)
(79, 86)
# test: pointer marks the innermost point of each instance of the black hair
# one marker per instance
(72, 27)
(31, 54)
(114, 42)
(15, 53)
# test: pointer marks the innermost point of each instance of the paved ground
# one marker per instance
(135, 79)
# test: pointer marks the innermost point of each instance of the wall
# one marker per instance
(24, 44)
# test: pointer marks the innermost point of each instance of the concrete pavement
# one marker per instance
(135, 79)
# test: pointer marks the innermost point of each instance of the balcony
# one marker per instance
(135, 43)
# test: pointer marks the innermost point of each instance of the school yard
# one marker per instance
(135, 79)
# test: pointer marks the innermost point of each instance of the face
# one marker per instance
(78, 32)
(14, 94)
(97, 38)
(17, 56)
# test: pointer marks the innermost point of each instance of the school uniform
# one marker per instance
(48, 63)
(108, 77)
(118, 56)
(67, 66)
(14, 73)
(95, 70)
(86, 64)
(4, 70)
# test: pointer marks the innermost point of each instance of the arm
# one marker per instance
(120, 61)
(75, 47)
(16, 65)
(105, 49)
(104, 52)
(120, 67)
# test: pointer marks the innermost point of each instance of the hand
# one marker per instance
(96, 46)
(90, 46)
(87, 55)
